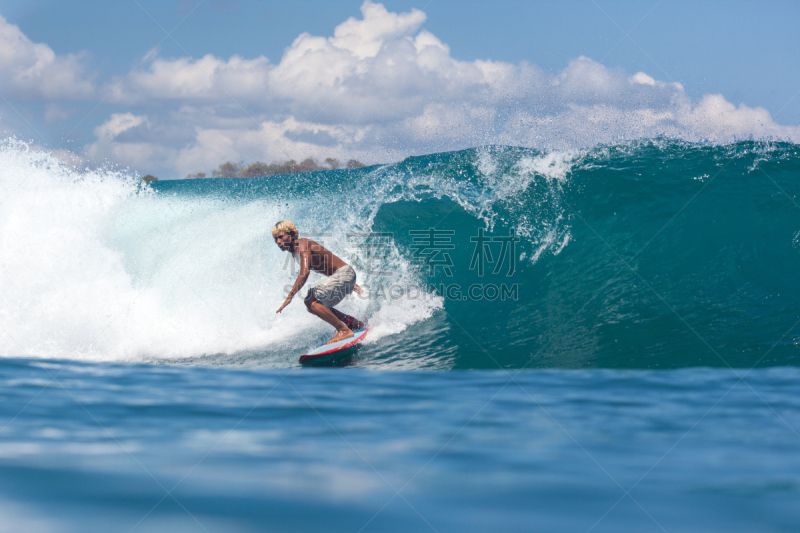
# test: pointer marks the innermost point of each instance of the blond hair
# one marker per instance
(285, 226)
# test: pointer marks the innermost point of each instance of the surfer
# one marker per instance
(340, 280)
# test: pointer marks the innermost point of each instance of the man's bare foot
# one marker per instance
(341, 335)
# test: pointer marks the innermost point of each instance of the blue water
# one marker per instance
(154, 448)
(640, 374)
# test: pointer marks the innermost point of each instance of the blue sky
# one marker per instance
(746, 53)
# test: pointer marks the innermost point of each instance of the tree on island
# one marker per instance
(229, 169)
(149, 177)
(254, 170)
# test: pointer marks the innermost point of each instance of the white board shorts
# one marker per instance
(333, 289)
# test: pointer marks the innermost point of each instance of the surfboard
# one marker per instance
(330, 350)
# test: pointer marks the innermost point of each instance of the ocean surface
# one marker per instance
(589, 340)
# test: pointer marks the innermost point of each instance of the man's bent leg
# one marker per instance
(350, 321)
(314, 307)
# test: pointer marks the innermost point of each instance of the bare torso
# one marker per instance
(319, 259)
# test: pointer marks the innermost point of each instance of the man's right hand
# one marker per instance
(288, 300)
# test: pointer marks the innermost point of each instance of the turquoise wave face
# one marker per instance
(657, 254)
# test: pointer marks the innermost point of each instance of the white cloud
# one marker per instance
(644, 79)
(132, 151)
(118, 123)
(382, 88)
(365, 38)
(208, 78)
(32, 71)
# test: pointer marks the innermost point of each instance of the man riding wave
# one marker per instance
(340, 280)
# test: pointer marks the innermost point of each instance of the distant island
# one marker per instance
(230, 169)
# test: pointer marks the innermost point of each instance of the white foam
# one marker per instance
(96, 267)
(553, 165)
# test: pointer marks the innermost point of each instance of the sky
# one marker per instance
(172, 88)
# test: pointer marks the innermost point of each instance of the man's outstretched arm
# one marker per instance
(302, 277)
